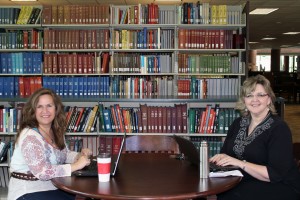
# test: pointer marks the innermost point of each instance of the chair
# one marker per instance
(296, 152)
(151, 144)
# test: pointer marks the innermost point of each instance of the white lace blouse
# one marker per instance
(34, 154)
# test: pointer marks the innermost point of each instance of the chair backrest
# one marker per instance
(151, 144)
(296, 152)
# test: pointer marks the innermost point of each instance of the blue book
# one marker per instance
(1, 85)
(66, 87)
(85, 86)
(75, 87)
(80, 86)
(70, 89)
(29, 63)
(61, 86)
(89, 86)
(25, 62)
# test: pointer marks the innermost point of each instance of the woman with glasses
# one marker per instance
(260, 144)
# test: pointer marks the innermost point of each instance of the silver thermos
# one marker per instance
(204, 163)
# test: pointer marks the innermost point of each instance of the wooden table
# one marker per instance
(148, 176)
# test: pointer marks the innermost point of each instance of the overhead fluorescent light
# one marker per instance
(253, 42)
(262, 11)
(285, 45)
(167, 0)
(268, 38)
(24, 0)
(291, 33)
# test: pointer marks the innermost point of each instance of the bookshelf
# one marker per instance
(152, 55)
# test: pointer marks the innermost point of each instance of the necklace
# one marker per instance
(48, 134)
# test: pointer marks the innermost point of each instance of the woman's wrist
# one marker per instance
(243, 166)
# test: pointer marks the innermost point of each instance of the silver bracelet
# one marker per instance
(244, 165)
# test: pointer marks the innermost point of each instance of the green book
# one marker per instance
(192, 116)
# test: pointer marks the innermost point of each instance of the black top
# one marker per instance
(270, 144)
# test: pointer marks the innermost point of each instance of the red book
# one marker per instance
(81, 110)
(120, 118)
(116, 144)
(160, 119)
(108, 144)
(105, 63)
(102, 146)
(139, 121)
(26, 86)
(114, 117)
(178, 118)
(47, 14)
(211, 121)
(174, 127)
(144, 117)
(184, 118)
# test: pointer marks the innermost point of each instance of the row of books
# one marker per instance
(20, 15)
(119, 86)
(145, 38)
(202, 63)
(79, 87)
(98, 144)
(203, 87)
(209, 39)
(205, 13)
(211, 119)
(143, 14)
(75, 14)
(10, 118)
(144, 119)
(76, 39)
(82, 119)
(142, 63)
(141, 87)
(12, 86)
(192, 88)
(21, 63)
(74, 63)
(21, 39)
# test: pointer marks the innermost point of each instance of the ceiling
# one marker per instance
(285, 19)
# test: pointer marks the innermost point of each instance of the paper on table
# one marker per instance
(225, 173)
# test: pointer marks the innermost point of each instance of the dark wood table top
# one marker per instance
(148, 176)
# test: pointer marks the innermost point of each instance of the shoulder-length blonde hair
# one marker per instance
(249, 86)
(28, 118)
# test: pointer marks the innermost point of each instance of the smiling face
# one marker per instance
(45, 110)
(257, 101)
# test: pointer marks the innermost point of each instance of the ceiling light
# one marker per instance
(24, 0)
(253, 42)
(268, 38)
(291, 33)
(285, 45)
(167, 0)
(262, 11)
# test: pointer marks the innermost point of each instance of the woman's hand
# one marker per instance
(224, 160)
(81, 162)
(86, 152)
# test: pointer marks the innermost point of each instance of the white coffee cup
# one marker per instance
(104, 162)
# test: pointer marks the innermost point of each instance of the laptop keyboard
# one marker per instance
(90, 170)
(215, 168)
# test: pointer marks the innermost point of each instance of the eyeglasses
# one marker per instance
(258, 96)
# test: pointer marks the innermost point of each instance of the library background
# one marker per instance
(145, 69)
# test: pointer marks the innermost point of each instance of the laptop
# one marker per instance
(92, 169)
(190, 152)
